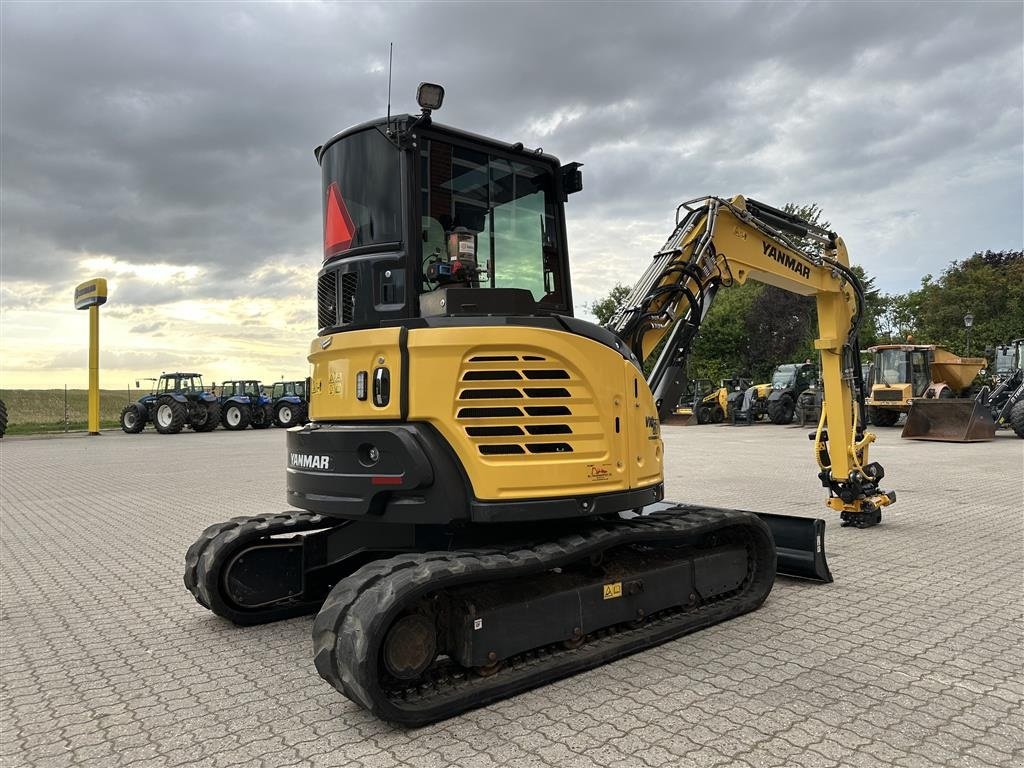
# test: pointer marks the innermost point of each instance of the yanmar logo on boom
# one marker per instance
(786, 260)
(309, 461)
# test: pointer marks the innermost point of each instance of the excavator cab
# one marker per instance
(424, 220)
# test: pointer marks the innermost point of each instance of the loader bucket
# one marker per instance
(951, 421)
(799, 546)
(681, 418)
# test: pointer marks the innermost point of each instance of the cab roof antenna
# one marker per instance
(391, 53)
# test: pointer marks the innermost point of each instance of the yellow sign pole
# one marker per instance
(90, 295)
(94, 369)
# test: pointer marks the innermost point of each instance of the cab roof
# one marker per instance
(903, 347)
(407, 121)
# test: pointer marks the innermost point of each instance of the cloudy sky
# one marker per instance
(167, 147)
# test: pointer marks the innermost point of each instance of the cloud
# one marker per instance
(147, 328)
(169, 147)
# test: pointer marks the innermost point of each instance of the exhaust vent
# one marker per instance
(349, 283)
(327, 300)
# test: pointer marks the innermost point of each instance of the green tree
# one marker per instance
(722, 347)
(603, 309)
(875, 308)
(988, 285)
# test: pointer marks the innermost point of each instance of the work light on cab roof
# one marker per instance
(429, 96)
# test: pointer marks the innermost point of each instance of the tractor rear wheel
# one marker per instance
(169, 417)
(1017, 419)
(235, 416)
(781, 411)
(207, 417)
(717, 415)
(133, 419)
(3, 418)
(287, 415)
(260, 417)
(883, 417)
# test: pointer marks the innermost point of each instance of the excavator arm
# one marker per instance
(719, 243)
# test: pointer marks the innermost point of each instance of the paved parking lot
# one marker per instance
(913, 657)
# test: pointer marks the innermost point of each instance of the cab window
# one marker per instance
(488, 222)
(919, 365)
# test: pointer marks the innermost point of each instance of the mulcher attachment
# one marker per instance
(950, 421)
(418, 638)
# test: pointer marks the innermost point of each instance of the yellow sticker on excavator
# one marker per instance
(613, 590)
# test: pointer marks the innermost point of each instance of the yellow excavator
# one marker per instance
(481, 485)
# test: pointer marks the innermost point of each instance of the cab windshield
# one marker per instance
(784, 376)
(1005, 362)
(181, 384)
(891, 367)
(488, 222)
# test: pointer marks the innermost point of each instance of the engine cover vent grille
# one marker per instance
(517, 419)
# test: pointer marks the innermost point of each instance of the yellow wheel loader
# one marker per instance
(481, 486)
(930, 384)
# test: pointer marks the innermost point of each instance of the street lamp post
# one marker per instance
(968, 322)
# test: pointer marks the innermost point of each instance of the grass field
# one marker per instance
(32, 411)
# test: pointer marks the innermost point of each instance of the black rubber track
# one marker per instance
(349, 629)
(217, 545)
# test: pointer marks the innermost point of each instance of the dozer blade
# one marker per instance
(799, 542)
(951, 421)
(799, 546)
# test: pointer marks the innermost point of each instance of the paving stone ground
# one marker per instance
(913, 657)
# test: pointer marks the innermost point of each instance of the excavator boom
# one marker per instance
(719, 243)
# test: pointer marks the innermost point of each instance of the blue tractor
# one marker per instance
(289, 404)
(177, 400)
(243, 403)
